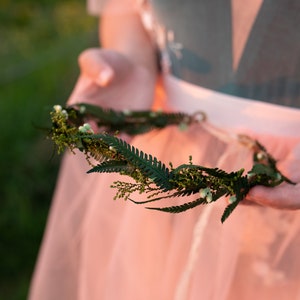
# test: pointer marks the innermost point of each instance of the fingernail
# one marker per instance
(105, 77)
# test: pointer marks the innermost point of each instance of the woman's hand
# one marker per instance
(284, 196)
(109, 79)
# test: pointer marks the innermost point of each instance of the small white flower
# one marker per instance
(65, 113)
(261, 155)
(57, 108)
(232, 199)
(82, 109)
(153, 114)
(250, 175)
(209, 197)
(87, 126)
(127, 112)
(204, 192)
(82, 129)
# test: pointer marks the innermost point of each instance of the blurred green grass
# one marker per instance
(40, 43)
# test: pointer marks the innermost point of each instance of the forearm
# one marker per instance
(126, 34)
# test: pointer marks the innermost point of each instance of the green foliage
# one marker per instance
(150, 167)
(111, 166)
(150, 175)
(180, 208)
(40, 43)
(228, 210)
(130, 122)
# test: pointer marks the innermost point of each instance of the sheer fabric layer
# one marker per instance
(97, 248)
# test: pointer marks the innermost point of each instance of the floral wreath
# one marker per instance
(71, 129)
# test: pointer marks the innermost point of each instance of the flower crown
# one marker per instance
(71, 129)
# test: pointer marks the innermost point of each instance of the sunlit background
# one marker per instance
(39, 44)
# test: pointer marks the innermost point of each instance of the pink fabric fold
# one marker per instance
(98, 248)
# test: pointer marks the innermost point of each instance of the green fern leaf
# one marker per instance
(180, 208)
(148, 165)
(132, 122)
(111, 166)
(104, 116)
(228, 210)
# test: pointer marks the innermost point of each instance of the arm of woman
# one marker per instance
(126, 34)
(122, 74)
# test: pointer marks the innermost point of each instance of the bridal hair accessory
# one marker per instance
(106, 152)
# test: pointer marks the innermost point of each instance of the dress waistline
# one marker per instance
(231, 112)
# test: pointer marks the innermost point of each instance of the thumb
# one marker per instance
(93, 65)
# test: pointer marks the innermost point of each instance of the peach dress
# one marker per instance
(96, 248)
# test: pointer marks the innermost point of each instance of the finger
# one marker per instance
(290, 165)
(290, 169)
(284, 196)
(82, 84)
(93, 65)
(247, 202)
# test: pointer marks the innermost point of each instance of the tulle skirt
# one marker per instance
(98, 248)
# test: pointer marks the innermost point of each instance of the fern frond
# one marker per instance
(151, 199)
(228, 210)
(148, 165)
(151, 176)
(131, 122)
(103, 116)
(180, 208)
(111, 166)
